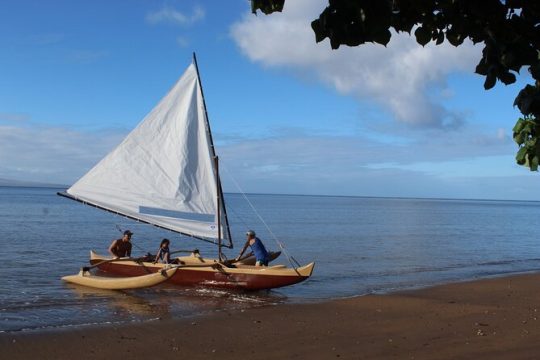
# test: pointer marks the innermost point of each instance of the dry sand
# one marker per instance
(486, 319)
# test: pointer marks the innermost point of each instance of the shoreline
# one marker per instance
(494, 318)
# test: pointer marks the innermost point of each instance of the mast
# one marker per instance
(220, 198)
(216, 163)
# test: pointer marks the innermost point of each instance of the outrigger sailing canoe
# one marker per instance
(165, 173)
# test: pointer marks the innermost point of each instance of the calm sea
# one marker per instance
(360, 246)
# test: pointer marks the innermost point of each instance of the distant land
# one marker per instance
(21, 183)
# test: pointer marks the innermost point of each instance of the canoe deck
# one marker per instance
(195, 258)
(120, 283)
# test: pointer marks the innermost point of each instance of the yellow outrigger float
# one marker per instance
(85, 278)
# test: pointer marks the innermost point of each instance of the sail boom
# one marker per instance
(86, 202)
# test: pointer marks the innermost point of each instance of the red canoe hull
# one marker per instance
(221, 277)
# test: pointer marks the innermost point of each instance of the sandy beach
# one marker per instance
(485, 319)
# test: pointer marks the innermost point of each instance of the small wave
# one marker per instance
(507, 262)
(76, 325)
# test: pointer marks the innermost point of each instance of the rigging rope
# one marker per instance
(133, 243)
(279, 243)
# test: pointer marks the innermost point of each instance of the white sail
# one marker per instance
(163, 171)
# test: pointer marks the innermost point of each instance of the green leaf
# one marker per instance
(440, 38)
(530, 143)
(528, 127)
(528, 100)
(520, 157)
(519, 125)
(507, 78)
(491, 79)
(535, 71)
(519, 137)
(454, 38)
(423, 35)
(334, 43)
(481, 68)
(318, 29)
(533, 164)
(382, 37)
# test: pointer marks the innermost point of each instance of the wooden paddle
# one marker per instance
(87, 268)
(195, 265)
(232, 261)
(195, 251)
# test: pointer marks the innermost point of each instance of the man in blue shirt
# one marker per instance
(261, 255)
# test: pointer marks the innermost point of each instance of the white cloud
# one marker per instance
(308, 163)
(87, 56)
(51, 154)
(14, 117)
(501, 133)
(172, 16)
(287, 162)
(182, 41)
(403, 77)
(48, 38)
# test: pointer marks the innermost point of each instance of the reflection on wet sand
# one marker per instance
(171, 301)
(122, 303)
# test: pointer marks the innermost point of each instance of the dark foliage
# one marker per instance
(267, 6)
(509, 30)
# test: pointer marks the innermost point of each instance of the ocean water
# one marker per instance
(360, 246)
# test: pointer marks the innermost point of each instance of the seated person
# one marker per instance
(164, 254)
(261, 255)
(121, 247)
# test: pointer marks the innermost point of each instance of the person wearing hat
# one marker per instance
(261, 255)
(121, 247)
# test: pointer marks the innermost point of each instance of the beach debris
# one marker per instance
(480, 324)
(480, 332)
(127, 337)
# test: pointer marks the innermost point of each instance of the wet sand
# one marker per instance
(485, 319)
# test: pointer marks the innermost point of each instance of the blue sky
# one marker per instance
(288, 115)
